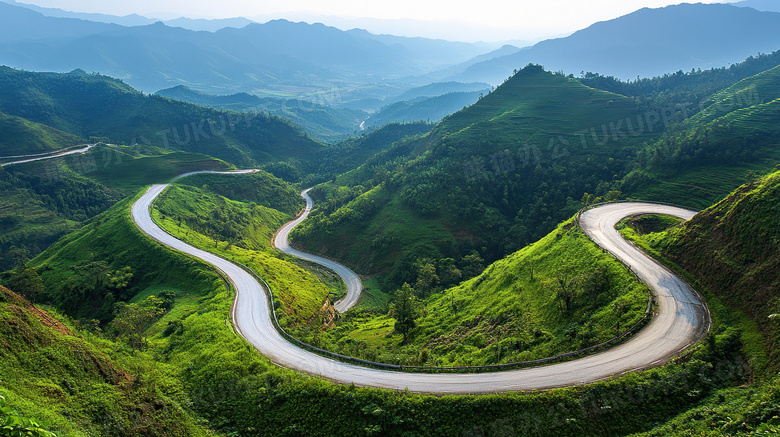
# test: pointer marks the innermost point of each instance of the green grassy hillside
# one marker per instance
(82, 387)
(733, 249)
(91, 105)
(514, 311)
(42, 201)
(240, 227)
(239, 392)
(730, 251)
(23, 137)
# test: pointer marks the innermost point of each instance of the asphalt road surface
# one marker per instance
(680, 319)
(354, 285)
(50, 155)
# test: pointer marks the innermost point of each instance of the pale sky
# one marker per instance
(486, 20)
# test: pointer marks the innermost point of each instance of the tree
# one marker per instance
(405, 309)
(132, 320)
(26, 282)
(449, 274)
(566, 290)
(168, 297)
(426, 275)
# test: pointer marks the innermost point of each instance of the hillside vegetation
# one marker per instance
(713, 152)
(237, 391)
(490, 178)
(78, 386)
(44, 200)
(557, 295)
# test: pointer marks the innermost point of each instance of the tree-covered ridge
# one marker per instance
(91, 105)
(704, 158)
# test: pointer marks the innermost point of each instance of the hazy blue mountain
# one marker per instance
(433, 52)
(647, 43)
(324, 122)
(439, 89)
(761, 5)
(430, 109)
(505, 50)
(208, 25)
(18, 24)
(127, 20)
(280, 57)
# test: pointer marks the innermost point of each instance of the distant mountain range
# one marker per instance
(761, 5)
(279, 58)
(646, 43)
(361, 70)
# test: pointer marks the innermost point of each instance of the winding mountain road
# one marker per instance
(354, 284)
(44, 156)
(680, 319)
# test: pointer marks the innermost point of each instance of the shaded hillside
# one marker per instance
(430, 109)
(23, 137)
(733, 248)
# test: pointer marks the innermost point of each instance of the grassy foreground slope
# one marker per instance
(79, 386)
(732, 251)
(238, 392)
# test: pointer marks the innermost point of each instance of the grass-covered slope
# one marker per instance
(82, 387)
(23, 137)
(91, 105)
(113, 238)
(195, 356)
(512, 312)
(733, 248)
(239, 224)
(730, 252)
(42, 201)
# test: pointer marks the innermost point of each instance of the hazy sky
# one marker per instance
(488, 20)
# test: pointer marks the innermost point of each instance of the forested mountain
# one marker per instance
(91, 105)
(647, 43)
(488, 179)
(497, 175)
